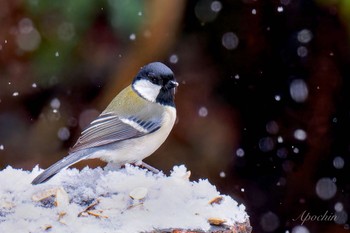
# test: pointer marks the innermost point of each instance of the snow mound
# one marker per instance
(128, 200)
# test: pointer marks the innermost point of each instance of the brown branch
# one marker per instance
(237, 228)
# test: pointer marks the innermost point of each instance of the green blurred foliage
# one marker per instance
(63, 26)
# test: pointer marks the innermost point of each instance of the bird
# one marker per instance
(133, 126)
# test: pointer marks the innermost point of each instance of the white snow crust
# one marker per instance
(96, 200)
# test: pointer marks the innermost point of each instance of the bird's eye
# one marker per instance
(153, 78)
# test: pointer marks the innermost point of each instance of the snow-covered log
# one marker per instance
(128, 200)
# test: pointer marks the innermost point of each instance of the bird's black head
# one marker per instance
(156, 83)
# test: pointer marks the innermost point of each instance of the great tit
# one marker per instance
(132, 127)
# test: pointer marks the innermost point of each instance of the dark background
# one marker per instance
(263, 105)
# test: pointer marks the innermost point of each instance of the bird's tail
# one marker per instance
(58, 166)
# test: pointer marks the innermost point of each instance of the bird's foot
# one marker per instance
(112, 167)
(147, 166)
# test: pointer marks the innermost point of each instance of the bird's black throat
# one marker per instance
(166, 97)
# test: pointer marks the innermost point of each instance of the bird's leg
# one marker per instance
(147, 166)
(112, 167)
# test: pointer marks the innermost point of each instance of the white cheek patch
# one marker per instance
(147, 90)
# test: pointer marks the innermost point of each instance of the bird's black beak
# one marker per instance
(172, 84)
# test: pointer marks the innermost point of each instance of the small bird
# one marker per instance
(132, 127)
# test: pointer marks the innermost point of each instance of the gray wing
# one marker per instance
(110, 128)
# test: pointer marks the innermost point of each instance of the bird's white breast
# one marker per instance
(134, 150)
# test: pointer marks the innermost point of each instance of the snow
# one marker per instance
(173, 58)
(280, 9)
(132, 36)
(216, 6)
(230, 40)
(126, 200)
(203, 111)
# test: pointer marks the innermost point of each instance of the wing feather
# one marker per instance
(110, 128)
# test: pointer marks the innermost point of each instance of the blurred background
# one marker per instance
(263, 102)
